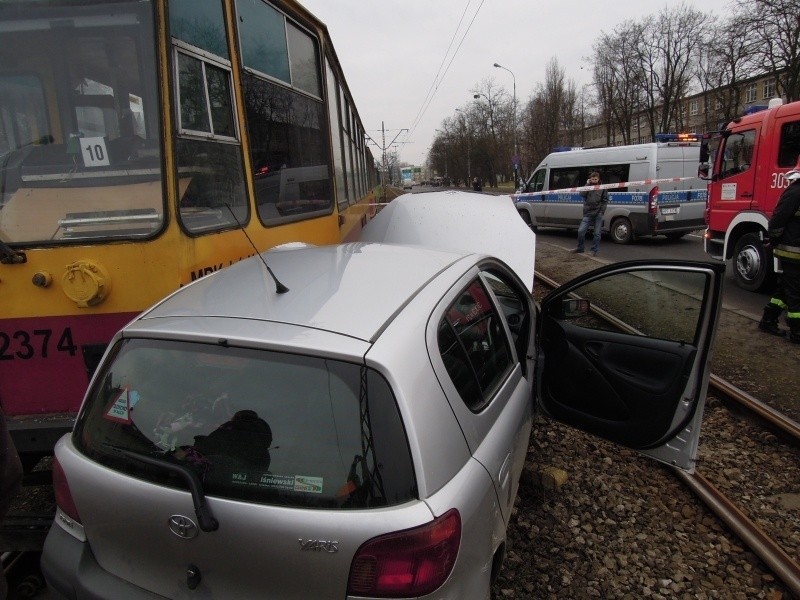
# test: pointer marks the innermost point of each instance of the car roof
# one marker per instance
(349, 289)
(354, 289)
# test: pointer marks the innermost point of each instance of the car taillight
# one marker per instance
(63, 495)
(414, 562)
(652, 202)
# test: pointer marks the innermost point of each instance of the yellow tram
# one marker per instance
(145, 144)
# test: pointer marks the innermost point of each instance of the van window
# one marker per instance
(567, 177)
(536, 183)
(263, 427)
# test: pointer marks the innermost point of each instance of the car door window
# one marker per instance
(516, 310)
(474, 346)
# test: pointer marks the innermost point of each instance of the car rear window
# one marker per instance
(254, 425)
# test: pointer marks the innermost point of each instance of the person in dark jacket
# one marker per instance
(10, 480)
(594, 206)
(783, 236)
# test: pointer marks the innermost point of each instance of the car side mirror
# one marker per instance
(572, 308)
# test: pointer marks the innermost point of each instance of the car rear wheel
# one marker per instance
(675, 235)
(621, 231)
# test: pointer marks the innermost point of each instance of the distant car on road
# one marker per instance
(361, 434)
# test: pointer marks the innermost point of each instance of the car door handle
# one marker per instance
(747, 194)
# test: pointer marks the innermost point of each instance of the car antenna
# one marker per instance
(279, 287)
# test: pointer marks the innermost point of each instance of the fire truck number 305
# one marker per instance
(779, 181)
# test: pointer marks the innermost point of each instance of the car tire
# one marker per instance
(621, 231)
(752, 264)
(675, 235)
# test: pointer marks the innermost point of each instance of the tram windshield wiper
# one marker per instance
(205, 519)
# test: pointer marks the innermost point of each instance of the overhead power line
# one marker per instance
(440, 75)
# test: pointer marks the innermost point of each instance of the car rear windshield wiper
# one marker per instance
(205, 519)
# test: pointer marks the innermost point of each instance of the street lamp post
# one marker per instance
(516, 156)
(466, 130)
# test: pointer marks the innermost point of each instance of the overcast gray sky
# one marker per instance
(410, 63)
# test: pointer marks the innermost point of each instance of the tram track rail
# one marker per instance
(782, 565)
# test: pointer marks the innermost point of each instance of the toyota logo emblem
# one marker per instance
(183, 527)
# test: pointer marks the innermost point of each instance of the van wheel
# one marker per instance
(621, 231)
(675, 235)
(752, 264)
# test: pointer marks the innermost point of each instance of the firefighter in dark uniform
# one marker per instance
(783, 236)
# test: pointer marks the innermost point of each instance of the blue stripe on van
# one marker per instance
(631, 198)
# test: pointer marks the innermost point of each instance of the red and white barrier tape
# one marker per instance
(605, 186)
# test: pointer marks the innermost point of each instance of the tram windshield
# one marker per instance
(80, 152)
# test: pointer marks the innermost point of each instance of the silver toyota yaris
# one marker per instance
(362, 434)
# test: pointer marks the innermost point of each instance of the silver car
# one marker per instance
(362, 434)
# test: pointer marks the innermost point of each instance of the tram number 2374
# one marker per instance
(38, 343)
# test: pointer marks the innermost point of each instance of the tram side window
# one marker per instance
(289, 150)
(201, 24)
(304, 61)
(339, 172)
(262, 32)
(210, 169)
(285, 118)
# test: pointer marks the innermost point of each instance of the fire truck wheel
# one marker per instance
(752, 264)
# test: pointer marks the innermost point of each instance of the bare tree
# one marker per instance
(775, 26)
(621, 77)
(725, 58)
(489, 100)
(667, 51)
(550, 116)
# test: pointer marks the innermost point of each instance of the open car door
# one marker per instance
(624, 354)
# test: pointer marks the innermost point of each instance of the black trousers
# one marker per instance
(787, 295)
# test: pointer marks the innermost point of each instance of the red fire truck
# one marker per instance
(749, 158)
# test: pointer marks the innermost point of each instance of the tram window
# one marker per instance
(200, 24)
(305, 61)
(336, 138)
(80, 119)
(262, 32)
(23, 116)
(205, 97)
(211, 184)
(289, 151)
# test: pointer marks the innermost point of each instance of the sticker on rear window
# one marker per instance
(120, 408)
(287, 483)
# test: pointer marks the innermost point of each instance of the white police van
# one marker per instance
(653, 188)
